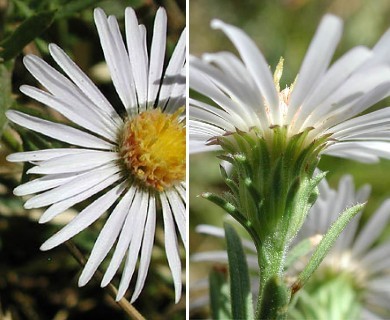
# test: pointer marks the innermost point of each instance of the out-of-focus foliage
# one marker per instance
(43, 285)
(280, 28)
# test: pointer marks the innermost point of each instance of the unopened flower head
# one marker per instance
(322, 102)
(135, 153)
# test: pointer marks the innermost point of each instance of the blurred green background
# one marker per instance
(280, 28)
(43, 285)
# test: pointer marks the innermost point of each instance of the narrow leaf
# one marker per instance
(219, 294)
(25, 33)
(325, 245)
(241, 297)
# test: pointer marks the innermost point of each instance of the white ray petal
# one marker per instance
(256, 65)
(85, 218)
(316, 61)
(172, 73)
(372, 229)
(135, 47)
(220, 233)
(41, 155)
(116, 57)
(61, 87)
(74, 162)
(75, 186)
(242, 115)
(86, 119)
(60, 206)
(83, 82)
(172, 250)
(230, 86)
(157, 54)
(107, 236)
(178, 93)
(124, 239)
(42, 184)
(172, 199)
(135, 246)
(233, 68)
(332, 79)
(58, 131)
(345, 98)
(147, 246)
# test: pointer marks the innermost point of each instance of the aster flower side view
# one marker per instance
(134, 154)
(356, 255)
(323, 100)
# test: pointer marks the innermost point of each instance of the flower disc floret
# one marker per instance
(153, 148)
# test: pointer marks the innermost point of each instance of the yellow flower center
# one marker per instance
(154, 148)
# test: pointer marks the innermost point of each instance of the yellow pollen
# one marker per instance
(154, 148)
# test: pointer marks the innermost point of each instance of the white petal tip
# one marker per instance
(31, 170)
(161, 10)
(82, 281)
(216, 24)
(17, 192)
(28, 206)
(331, 18)
(129, 10)
(105, 282)
(45, 247)
(120, 294)
(43, 219)
(9, 114)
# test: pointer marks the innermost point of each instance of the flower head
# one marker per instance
(357, 261)
(357, 256)
(322, 103)
(134, 154)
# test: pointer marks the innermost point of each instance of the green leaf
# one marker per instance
(240, 292)
(6, 99)
(75, 6)
(275, 301)
(25, 33)
(219, 294)
(325, 245)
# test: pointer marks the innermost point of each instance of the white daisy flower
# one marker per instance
(134, 156)
(356, 253)
(323, 101)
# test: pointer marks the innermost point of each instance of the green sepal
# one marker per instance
(276, 299)
(240, 292)
(325, 245)
(302, 199)
(219, 294)
(25, 33)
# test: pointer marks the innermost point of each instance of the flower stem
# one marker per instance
(126, 306)
(273, 294)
